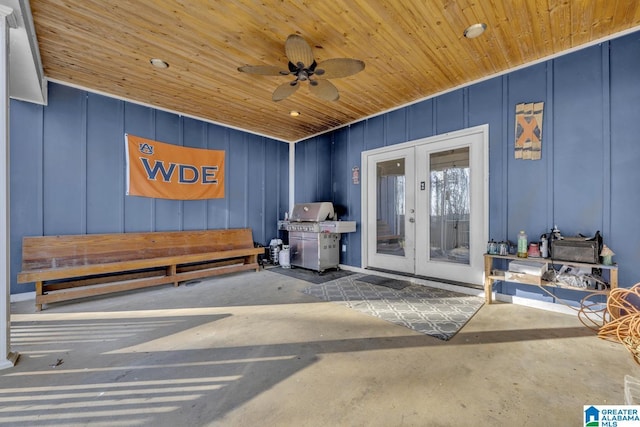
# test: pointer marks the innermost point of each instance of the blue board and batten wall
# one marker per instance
(589, 174)
(67, 160)
(68, 172)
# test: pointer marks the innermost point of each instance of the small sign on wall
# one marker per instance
(355, 175)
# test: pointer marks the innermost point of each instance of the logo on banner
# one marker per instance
(146, 148)
(160, 170)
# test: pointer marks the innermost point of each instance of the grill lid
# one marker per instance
(319, 211)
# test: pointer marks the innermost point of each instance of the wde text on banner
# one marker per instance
(165, 171)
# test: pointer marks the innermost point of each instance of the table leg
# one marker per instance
(488, 282)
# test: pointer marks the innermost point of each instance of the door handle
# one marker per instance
(412, 220)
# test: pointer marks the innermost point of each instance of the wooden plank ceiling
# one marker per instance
(413, 49)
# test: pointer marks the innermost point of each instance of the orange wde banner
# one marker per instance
(165, 171)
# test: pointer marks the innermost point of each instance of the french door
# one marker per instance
(426, 206)
(391, 210)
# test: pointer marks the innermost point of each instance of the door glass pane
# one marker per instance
(450, 206)
(390, 187)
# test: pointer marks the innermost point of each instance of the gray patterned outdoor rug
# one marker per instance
(436, 312)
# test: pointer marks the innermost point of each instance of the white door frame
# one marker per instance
(482, 129)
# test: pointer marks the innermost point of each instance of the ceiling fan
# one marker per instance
(304, 68)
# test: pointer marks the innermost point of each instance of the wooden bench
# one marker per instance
(78, 266)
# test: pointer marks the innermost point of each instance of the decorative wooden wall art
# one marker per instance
(529, 131)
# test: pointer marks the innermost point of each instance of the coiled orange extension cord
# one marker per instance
(621, 320)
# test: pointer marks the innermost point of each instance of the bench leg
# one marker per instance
(38, 294)
(251, 259)
(171, 272)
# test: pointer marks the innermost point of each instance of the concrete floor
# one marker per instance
(250, 349)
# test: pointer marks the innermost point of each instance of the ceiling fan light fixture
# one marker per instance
(475, 30)
(159, 63)
(303, 67)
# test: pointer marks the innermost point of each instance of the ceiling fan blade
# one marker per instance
(284, 90)
(298, 50)
(339, 67)
(324, 89)
(263, 70)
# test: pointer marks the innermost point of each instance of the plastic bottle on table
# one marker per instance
(544, 246)
(522, 244)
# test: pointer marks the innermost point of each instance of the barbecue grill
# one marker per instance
(314, 235)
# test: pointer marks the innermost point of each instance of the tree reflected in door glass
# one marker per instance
(450, 208)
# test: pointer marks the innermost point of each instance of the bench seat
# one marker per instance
(77, 266)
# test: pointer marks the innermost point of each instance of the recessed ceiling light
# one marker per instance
(294, 113)
(475, 30)
(159, 63)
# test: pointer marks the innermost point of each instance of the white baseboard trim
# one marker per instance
(24, 296)
(543, 305)
(526, 302)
